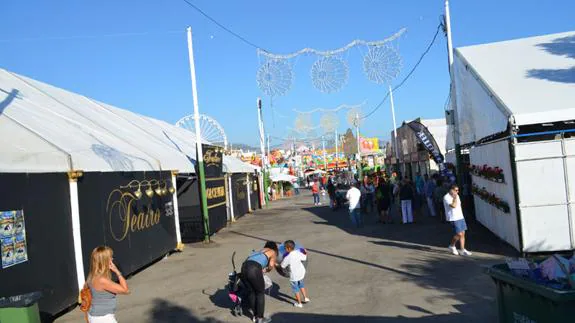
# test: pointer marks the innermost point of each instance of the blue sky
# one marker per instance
(149, 74)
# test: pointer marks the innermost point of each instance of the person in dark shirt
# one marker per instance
(383, 196)
(406, 195)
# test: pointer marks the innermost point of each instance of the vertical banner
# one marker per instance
(215, 187)
(427, 140)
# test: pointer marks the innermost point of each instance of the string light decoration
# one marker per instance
(329, 74)
(382, 64)
(275, 77)
(329, 122)
(354, 117)
(302, 122)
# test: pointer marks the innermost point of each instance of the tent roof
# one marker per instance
(47, 129)
(236, 165)
(534, 78)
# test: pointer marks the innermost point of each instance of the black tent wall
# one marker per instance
(240, 195)
(255, 192)
(191, 220)
(51, 266)
(138, 230)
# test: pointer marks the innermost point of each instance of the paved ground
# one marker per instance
(380, 273)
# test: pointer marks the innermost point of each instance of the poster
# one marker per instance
(13, 238)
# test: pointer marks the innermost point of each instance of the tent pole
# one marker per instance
(231, 198)
(265, 199)
(200, 170)
(76, 233)
(179, 245)
(248, 192)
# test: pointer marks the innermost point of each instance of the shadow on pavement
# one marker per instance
(167, 312)
(427, 231)
(318, 318)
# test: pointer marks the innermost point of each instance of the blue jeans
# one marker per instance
(315, 198)
(356, 217)
(296, 190)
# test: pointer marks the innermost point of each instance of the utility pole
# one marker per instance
(263, 151)
(453, 97)
(324, 156)
(394, 129)
(200, 170)
(358, 159)
(336, 150)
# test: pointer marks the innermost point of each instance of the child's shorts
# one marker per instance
(296, 286)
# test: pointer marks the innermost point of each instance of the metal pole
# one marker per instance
(269, 151)
(394, 128)
(453, 97)
(265, 199)
(324, 156)
(357, 161)
(200, 169)
(336, 151)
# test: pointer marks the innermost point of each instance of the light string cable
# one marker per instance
(439, 27)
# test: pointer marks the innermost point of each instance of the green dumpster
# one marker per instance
(522, 300)
(20, 309)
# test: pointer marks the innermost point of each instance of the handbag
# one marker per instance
(85, 301)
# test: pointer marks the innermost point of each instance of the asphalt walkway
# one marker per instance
(379, 273)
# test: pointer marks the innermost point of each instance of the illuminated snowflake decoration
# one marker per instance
(354, 117)
(329, 74)
(381, 64)
(329, 122)
(275, 77)
(302, 123)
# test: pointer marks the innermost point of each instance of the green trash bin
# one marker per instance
(20, 309)
(522, 300)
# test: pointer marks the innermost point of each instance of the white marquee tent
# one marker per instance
(515, 111)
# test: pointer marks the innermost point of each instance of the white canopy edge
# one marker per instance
(47, 129)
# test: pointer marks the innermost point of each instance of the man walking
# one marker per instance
(354, 197)
(429, 189)
(454, 214)
(406, 196)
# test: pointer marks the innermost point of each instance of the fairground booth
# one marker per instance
(76, 173)
(516, 114)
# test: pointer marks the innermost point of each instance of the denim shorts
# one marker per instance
(459, 226)
(296, 286)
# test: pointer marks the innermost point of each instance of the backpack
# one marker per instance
(85, 300)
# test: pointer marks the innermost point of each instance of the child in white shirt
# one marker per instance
(297, 271)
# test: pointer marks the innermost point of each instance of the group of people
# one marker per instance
(266, 260)
(103, 289)
(440, 195)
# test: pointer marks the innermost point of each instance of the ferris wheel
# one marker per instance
(211, 130)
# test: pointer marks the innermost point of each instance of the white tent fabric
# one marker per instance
(529, 79)
(282, 178)
(235, 165)
(47, 129)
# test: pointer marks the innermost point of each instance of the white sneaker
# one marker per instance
(306, 300)
(464, 252)
(453, 250)
(298, 305)
(319, 204)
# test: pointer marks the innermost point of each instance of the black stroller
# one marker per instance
(237, 291)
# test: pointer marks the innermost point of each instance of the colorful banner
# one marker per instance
(369, 145)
